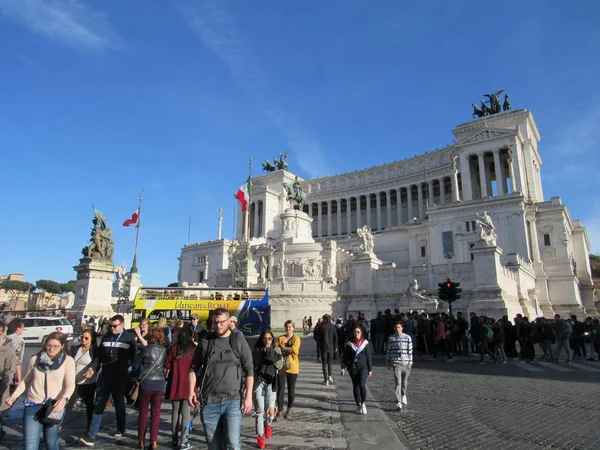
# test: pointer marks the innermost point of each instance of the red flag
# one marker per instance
(134, 221)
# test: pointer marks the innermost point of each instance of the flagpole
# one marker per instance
(134, 268)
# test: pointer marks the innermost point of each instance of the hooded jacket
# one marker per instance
(8, 367)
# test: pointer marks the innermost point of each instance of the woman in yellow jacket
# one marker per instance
(290, 349)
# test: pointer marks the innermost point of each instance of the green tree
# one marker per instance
(173, 285)
(69, 286)
(49, 286)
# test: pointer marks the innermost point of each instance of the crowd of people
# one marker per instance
(213, 373)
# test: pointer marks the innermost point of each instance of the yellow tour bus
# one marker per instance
(250, 306)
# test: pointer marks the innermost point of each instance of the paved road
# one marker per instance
(460, 405)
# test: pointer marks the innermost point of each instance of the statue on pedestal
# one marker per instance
(101, 245)
(365, 235)
(414, 291)
(487, 231)
(294, 192)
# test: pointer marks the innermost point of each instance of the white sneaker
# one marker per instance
(363, 409)
(325, 383)
(330, 379)
(404, 401)
(359, 409)
(399, 405)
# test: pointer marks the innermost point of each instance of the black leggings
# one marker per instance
(358, 375)
(291, 385)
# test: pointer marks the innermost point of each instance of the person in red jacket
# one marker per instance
(441, 343)
(177, 366)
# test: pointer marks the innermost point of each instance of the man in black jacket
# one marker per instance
(328, 342)
(116, 355)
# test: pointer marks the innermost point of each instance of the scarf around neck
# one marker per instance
(46, 364)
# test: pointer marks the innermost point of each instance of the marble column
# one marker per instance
(498, 172)
(329, 233)
(535, 246)
(399, 205)
(255, 230)
(430, 197)
(369, 211)
(465, 177)
(454, 186)
(338, 214)
(320, 219)
(388, 207)
(482, 180)
(420, 201)
(442, 182)
(378, 209)
(358, 213)
(410, 203)
(349, 216)
(511, 174)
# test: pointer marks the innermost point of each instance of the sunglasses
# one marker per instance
(86, 338)
(116, 325)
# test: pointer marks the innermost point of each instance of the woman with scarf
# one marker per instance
(357, 359)
(267, 362)
(50, 375)
(86, 364)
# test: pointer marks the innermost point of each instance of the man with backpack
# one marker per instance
(221, 368)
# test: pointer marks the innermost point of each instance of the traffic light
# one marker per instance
(442, 291)
(456, 290)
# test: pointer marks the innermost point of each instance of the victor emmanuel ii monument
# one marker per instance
(383, 237)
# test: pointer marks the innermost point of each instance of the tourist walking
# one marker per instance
(267, 363)
(327, 340)
(86, 364)
(14, 331)
(222, 362)
(357, 359)
(399, 356)
(50, 376)
(116, 353)
(149, 367)
(562, 330)
(177, 366)
(8, 368)
(289, 344)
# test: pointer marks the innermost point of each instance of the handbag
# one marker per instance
(134, 390)
(287, 363)
(49, 417)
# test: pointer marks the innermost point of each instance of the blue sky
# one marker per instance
(100, 99)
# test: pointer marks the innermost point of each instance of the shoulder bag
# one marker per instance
(134, 389)
(49, 417)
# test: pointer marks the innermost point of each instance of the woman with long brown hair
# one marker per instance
(289, 345)
(86, 365)
(150, 369)
(357, 359)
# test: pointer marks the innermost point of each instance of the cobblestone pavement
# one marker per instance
(464, 405)
(324, 418)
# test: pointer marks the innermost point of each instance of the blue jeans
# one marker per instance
(32, 430)
(223, 425)
(264, 398)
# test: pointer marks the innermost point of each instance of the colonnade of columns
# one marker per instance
(380, 209)
(486, 174)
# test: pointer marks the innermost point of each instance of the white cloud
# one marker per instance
(580, 136)
(219, 33)
(67, 21)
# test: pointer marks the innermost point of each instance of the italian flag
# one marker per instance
(243, 194)
(134, 221)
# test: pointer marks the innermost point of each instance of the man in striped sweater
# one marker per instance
(400, 358)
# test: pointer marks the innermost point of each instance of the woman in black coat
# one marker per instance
(357, 359)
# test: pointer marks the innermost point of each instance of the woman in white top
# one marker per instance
(86, 364)
(50, 375)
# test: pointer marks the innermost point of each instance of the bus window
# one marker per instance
(138, 314)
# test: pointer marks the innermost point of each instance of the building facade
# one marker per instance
(424, 216)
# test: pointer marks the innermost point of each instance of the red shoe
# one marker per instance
(260, 442)
(268, 431)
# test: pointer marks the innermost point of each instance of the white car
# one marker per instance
(37, 328)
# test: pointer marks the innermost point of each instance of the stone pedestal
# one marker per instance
(134, 284)
(364, 265)
(94, 287)
(296, 227)
(488, 297)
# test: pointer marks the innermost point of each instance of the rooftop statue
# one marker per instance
(294, 192)
(491, 105)
(365, 235)
(278, 164)
(101, 245)
(487, 231)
